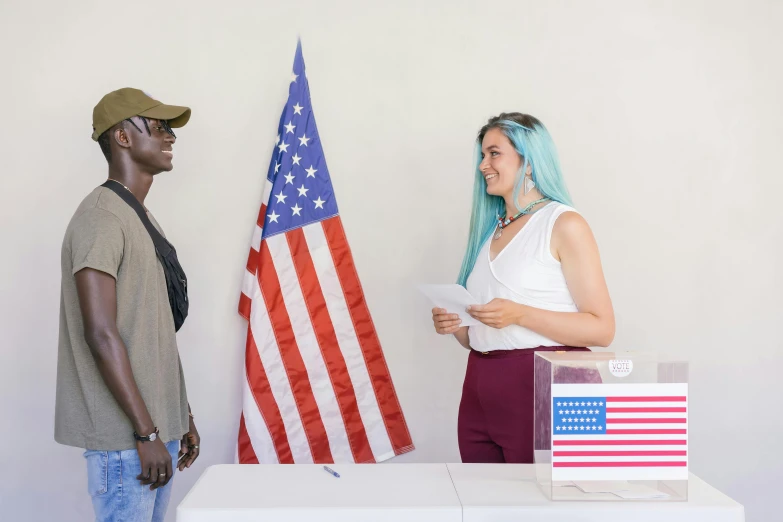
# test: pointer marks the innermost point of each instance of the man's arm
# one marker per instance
(98, 303)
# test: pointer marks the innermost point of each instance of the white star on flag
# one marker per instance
(283, 147)
(289, 178)
(304, 139)
(298, 109)
(296, 159)
(302, 190)
(273, 217)
(289, 128)
(319, 203)
(280, 197)
(297, 209)
(311, 172)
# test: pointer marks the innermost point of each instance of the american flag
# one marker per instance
(317, 388)
(620, 431)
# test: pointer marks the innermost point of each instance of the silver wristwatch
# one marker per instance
(149, 438)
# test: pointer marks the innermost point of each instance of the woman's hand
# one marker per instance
(445, 323)
(498, 313)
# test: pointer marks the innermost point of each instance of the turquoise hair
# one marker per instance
(536, 148)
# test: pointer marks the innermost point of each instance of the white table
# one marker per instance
(508, 492)
(297, 493)
(420, 492)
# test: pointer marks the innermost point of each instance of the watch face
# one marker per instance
(153, 436)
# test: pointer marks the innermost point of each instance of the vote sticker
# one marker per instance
(620, 367)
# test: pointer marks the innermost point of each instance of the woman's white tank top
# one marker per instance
(524, 272)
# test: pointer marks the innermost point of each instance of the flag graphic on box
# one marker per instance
(620, 431)
(317, 388)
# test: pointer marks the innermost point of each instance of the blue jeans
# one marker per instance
(117, 495)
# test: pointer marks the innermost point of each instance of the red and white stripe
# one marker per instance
(317, 387)
(645, 438)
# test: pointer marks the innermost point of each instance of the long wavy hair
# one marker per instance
(536, 148)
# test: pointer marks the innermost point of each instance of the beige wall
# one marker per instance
(667, 116)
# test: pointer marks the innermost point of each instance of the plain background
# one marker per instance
(667, 116)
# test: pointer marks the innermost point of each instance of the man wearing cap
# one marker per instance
(120, 388)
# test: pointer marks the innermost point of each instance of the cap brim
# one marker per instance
(175, 115)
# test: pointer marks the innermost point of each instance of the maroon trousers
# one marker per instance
(496, 412)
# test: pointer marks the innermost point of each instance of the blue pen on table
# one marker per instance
(331, 471)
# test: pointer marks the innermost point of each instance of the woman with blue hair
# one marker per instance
(533, 260)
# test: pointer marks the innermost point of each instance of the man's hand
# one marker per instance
(156, 466)
(190, 447)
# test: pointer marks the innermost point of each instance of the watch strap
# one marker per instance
(145, 438)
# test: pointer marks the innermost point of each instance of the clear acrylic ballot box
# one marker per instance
(611, 426)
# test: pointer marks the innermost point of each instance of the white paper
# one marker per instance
(454, 298)
(603, 486)
(621, 488)
(640, 491)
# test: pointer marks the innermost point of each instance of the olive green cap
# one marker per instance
(125, 103)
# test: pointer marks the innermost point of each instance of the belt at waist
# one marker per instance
(521, 352)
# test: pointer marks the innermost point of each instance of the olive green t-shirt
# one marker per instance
(106, 234)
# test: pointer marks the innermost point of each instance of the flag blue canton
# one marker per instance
(302, 190)
(579, 415)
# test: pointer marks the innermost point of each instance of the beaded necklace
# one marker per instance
(504, 222)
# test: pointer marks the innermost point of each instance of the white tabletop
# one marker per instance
(508, 492)
(295, 493)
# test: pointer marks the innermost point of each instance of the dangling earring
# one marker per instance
(529, 185)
